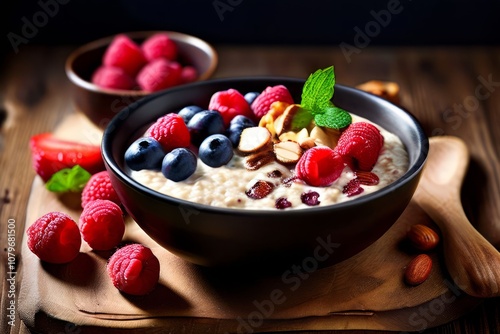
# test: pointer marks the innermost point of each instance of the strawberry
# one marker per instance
(362, 143)
(319, 166)
(262, 103)
(50, 154)
(230, 103)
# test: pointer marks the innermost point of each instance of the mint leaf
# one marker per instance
(318, 90)
(301, 119)
(333, 117)
(68, 179)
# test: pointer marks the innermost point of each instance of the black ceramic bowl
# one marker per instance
(213, 236)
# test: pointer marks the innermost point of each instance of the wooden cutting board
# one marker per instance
(364, 292)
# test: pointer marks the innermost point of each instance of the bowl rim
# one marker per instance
(80, 82)
(111, 163)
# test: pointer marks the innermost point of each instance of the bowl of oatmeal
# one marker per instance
(282, 210)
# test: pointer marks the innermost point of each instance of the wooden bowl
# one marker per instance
(99, 104)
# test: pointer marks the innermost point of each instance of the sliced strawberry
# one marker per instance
(50, 155)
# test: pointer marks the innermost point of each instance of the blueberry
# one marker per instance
(238, 123)
(179, 164)
(144, 153)
(188, 112)
(251, 96)
(216, 150)
(204, 124)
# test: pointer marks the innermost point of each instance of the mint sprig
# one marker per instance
(318, 90)
(334, 118)
(68, 179)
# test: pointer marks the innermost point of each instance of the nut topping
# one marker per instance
(287, 151)
(254, 139)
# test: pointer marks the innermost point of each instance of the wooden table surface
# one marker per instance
(452, 91)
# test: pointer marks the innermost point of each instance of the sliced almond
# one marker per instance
(302, 134)
(306, 143)
(287, 151)
(288, 136)
(321, 137)
(256, 160)
(279, 124)
(254, 139)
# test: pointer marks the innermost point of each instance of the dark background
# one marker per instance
(420, 22)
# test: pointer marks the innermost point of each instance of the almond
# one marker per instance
(288, 136)
(423, 237)
(418, 270)
(284, 122)
(385, 89)
(321, 137)
(287, 151)
(256, 160)
(254, 139)
(307, 143)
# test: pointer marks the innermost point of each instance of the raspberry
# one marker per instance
(101, 224)
(188, 74)
(159, 74)
(112, 77)
(159, 46)
(125, 54)
(99, 187)
(262, 104)
(230, 103)
(353, 187)
(170, 131)
(362, 143)
(54, 238)
(134, 269)
(319, 166)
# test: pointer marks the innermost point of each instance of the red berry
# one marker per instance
(54, 238)
(262, 104)
(99, 187)
(159, 46)
(319, 166)
(112, 77)
(125, 54)
(171, 131)
(50, 155)
(134, 269)
(101, 224)
(188, 74)
(353, 187)
(159, 74)
(361, 142)
(230, 103)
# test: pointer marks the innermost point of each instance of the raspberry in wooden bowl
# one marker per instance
(210, 234)
(116, 71)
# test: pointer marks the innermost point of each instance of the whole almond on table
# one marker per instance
(418, 270)
(423, 237)
(385, 89)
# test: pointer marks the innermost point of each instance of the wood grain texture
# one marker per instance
(432, 80)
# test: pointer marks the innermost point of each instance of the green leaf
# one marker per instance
(68, 179)
(318, 90)
(334, 118)
(301, 119)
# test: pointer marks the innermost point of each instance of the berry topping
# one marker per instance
(319, 166)
(260, 189)
(310, 198)
(282, 203)
(145, 153)
(171, 131)
(275, 174)
(188, 112)
(179, 164)
(367, 178)
(353, 187)
(134, 269)
(112, 77)
(362, 143)
(188, 74)
(230, 103)
(54, 238)
(159, 46)
(251, 96)
(50, 155)
(99, 187)
(101, 224)
(236, 127)
(159, 74)
(262, 104)
(125, 54)
(216, 151)
(204, 124)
